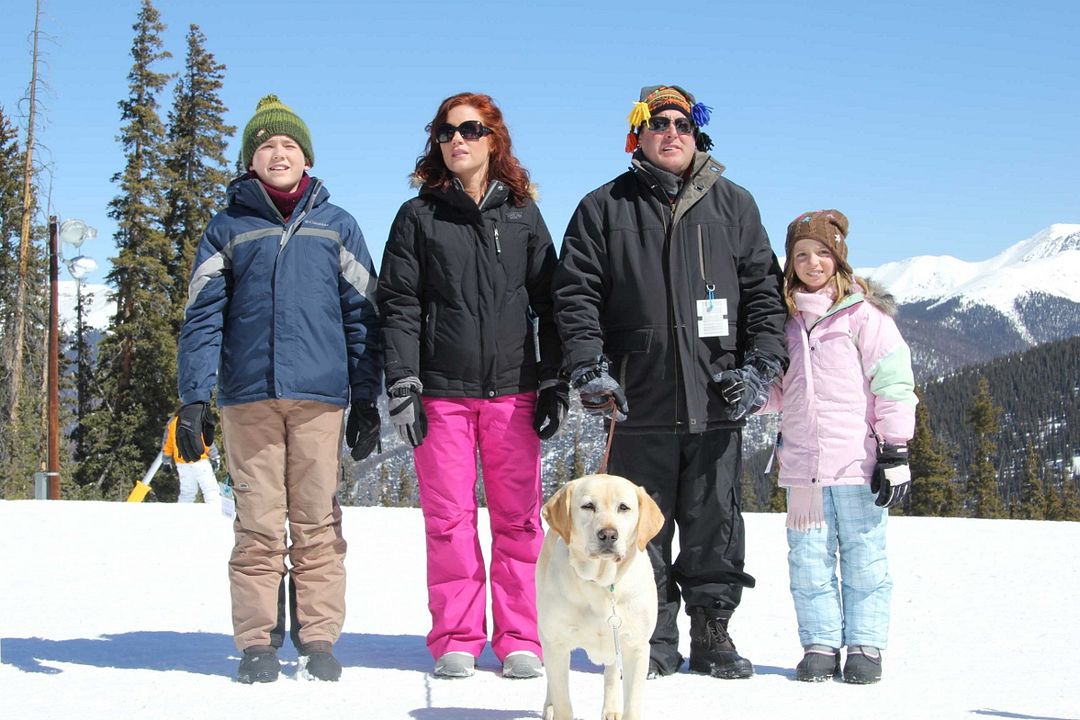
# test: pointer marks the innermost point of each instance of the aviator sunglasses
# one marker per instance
(660, 123)
(470, 130)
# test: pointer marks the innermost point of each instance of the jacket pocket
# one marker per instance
(429, 330)
(619, 345)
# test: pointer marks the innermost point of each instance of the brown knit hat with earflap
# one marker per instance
(829, 227)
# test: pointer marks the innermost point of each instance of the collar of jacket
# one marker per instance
(455, 197)
(704, 174)
(246, 191)
(868, 291)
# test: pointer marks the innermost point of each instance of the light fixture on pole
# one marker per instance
(71, 232)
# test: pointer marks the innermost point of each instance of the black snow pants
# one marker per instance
(695, 479)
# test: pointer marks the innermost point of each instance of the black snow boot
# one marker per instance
(259, 664)
(321, 663)
(820, 663)
(863, 665)
(711, 650)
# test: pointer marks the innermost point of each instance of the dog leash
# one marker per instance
(615, 622)
(608, 407)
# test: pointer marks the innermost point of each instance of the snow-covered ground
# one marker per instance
(115, 610)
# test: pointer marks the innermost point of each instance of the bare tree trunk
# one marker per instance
(25, 238)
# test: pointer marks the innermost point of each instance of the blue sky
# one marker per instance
(938, 127)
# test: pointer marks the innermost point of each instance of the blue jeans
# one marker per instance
(854, 608)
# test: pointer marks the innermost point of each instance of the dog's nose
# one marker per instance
(607, 535)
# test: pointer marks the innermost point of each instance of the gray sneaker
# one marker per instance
(522, 665)
(455, 665)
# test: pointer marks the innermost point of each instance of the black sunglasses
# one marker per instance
(660, 123)
(470, 130)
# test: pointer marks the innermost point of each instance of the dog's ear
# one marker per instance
(650, 519)
(557, 512)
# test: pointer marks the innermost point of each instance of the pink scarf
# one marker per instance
(805, 505)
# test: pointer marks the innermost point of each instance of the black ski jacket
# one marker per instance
(634, 266)
(465, 295)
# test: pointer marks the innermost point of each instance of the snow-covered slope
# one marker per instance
(119, 610)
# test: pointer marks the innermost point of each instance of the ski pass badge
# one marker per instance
(712, 314)
(228, 500)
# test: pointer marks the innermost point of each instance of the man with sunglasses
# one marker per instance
(668, 302)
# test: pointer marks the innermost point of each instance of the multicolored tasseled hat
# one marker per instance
(829, 227)
(657, 98)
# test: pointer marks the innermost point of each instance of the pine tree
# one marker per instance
(778, 500)
(749, 493)
(1070, 499)
(933, 492)
(1032, 505)
(406, 487)
(196, 171)
(18, 339)
(10, 221)
(22, 442)
(137, 358)
(1054, 507)
(983, 494)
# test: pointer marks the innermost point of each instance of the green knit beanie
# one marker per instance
(273, 117)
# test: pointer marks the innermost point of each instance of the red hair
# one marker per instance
(502, 165)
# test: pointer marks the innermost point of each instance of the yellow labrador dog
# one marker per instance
(595, 590)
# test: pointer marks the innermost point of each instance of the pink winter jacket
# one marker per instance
(849, 377)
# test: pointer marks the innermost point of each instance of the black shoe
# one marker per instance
(321, 663)
(863, 665)
(711, 650)
(259, 664)
(820, 663)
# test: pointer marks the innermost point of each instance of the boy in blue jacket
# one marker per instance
(281, 318)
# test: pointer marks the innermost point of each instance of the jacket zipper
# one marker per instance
(701, 254)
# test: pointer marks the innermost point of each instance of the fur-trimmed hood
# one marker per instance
(877, 295)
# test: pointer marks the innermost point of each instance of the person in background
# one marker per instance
(194, 476)
(464, 292)
(848, 402)
(281, 317)
(668, 303)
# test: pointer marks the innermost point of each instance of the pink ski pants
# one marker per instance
(446, 474)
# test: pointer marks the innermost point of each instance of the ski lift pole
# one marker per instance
(142, 487)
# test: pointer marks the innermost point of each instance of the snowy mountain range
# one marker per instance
(956, 313)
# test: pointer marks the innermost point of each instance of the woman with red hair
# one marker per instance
(472, 361)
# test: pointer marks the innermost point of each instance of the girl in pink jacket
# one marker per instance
(848, 405)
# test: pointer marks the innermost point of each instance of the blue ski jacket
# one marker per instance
(280, 310)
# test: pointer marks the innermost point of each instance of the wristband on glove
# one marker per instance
(891, 481)
(600, 393)
(407, 411)
(745, 389)
(194, 430)
(552, 404)
(362, 429)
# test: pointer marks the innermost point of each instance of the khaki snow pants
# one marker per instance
(284, 458)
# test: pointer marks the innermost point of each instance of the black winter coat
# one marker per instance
(634, 266)
(465, 295)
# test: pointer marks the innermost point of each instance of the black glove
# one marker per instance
(552, 404)
(892, 476)
(599, 391)
(407, 411)
(194, 430)
(746, 389)
(362, 429)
